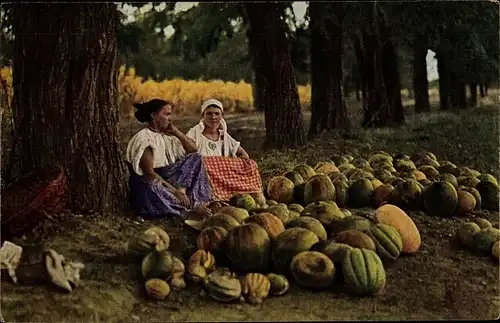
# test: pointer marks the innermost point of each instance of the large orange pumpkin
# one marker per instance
(397, 218)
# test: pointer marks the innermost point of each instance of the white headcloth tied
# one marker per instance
(211, 102)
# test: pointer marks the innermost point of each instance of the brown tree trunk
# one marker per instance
(275, 77)
(454, 89)
(377, 110)
(420, 82)
(462, 95)
(65, 92)
(473, 94)
(392, 81)
(444, 82)
(361, 79)
(327, 108)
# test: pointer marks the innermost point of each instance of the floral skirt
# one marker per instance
(153, 200)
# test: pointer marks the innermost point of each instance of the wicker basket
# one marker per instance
(31, 199)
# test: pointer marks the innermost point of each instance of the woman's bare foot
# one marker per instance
(203, 211)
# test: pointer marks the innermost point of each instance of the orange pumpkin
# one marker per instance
(397, 218)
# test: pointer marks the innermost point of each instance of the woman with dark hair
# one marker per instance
(166, 172)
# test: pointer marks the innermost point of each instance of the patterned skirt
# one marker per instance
(153, 200)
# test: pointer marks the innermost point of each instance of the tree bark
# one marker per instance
(462, 95)
(392, 81)
(473, 94)
(481, 90)
(444, 82)
(275, 77)
(65, 92)
(377, 109)
(327, 109)
(420, 82)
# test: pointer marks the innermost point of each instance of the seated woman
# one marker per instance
(211, 136)
(166, 173)
(228, 176)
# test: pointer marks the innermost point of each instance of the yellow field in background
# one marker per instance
(187, 95)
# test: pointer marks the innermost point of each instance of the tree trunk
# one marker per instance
(420, 82)
(275, 77)
(454, 89)
(361, 79)
(481, 90)
(392, 82)
(377, 109)
(327, 108)
(473, 94)
(444, 82)
(65, 92)
(462, 95)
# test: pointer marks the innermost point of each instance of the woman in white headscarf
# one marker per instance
(211, 135)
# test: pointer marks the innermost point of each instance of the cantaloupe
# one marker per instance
(397, 218)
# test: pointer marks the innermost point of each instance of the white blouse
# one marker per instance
(225, 146)
(166, 149)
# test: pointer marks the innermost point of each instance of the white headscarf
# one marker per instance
(198, 129)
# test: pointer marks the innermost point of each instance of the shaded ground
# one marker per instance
(441, 281)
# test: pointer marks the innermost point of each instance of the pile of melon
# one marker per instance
(480, 237)
(318, 246)
(416, 182)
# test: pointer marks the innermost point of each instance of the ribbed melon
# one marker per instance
(363, 271)
(388, 241)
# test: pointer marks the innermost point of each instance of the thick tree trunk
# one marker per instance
(361, 83)
(473, 94)
(454, 90)
(377, 109)
(327, 108)
(392, 83)
(444, 82)
(481, 90)
(65, 92)
(275, 77)
(462, 95)
(420, 82)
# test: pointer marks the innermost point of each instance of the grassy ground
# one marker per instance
(441, 281)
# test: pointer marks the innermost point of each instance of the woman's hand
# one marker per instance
(182, 197)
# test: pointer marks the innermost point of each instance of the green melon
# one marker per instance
(388, 241)
(349, 223)
(248, 248)
(489, 195)
(341, 189)
(294, 176)
(339, 160)
(360, 193)
(440, 199)
(487, 178)
(311, 224)
(449, 178)
(319, 188)
(483, 240)
(295, 207)
(363, 271)
(305, 171)
(407, 195)
(243, 201)
(429, 171)
(466, 232)
(288, 244)
(338, 177)
(323, 211)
